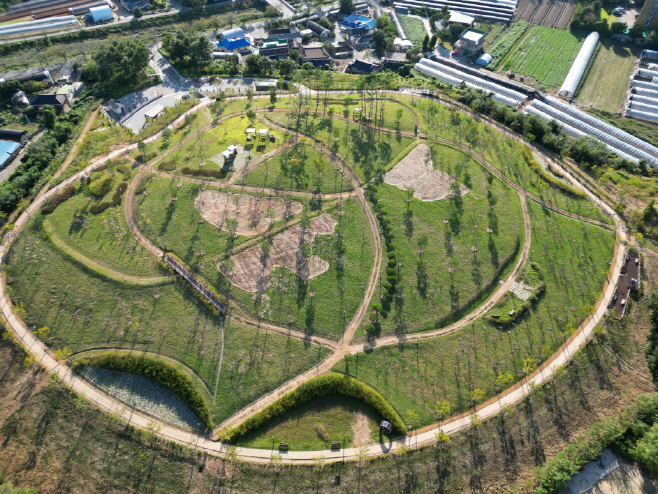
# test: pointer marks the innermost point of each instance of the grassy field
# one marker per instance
(414, 375)
(448, 273)
(316, 424)
(414, 28)
(546, 55)
(86, 312)
(504, 153)
(607, 81)
(204, 147)
(103, 237)
(326, 304)
(301, 168)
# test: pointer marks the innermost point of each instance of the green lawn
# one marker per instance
(86, 312)
(574, 257)
(316, 424)
(105, 237)
(301, 168)
(447, 275)
(546, 55)
(504, 153)
(214, 141)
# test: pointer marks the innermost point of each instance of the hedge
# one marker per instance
(203, 173)
(536, 167)
(57, 199)
(324, 385)
(167, 166)
(157, 370)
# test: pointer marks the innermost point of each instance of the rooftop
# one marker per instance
(49, 99)
(7, 148)
(474, 35)
(233, 44)
(273, 43)
(461, 18)
(314, 52)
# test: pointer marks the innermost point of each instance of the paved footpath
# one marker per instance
(490, 408)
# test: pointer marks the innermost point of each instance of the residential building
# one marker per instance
(356, 21)
(317, 55)
(361, 67)
(274, 48)
(58, 101)
(470, 40)
(459, 18)
(8, 151)
(236, 45)
(394, 59)
(343, 50)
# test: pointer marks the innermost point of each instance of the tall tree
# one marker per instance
(122, 61)
(190, 49)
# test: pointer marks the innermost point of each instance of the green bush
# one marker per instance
(99, 208)
(116, 200)
(327, 384)
(537, 168)
(57, 199)
(101, 186)
(203, 173)
(167, 166)
(157, 370)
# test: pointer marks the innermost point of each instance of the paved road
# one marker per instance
(509, 397)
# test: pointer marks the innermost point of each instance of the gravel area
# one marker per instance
(145, 395)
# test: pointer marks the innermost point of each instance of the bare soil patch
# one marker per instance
(250, 269)
(361, 429)
(250, 212)
(417, 171)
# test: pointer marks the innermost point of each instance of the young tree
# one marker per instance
(137, 12)
(166, 135)
(273, 95)
(250, 95)
(251, 116)
(346, 6)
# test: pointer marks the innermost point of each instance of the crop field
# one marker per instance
(506, 42)
(415, 29)
(607, 81)
(414, 375)
(546, 55)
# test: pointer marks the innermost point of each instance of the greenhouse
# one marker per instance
(634, 105)
(579, 65)
(650, 117)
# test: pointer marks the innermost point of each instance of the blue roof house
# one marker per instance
(233, 45)
(8, 150)
(356, 21)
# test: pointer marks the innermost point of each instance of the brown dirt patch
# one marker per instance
(361, 430)
(250, 212)
(251, 268)
(417, 171)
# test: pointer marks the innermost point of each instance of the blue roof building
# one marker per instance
(356, 21)
(233, 44)
(8, 150)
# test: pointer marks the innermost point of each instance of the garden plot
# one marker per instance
(243, 214)
(250, 269)
(417, 172)
(239, 162)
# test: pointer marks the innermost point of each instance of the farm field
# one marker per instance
(545, 55)
(414, 28)
(506, 41)
(607, 81)
(414, 375)
(550, 13)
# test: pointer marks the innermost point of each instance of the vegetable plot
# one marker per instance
(506, 42)
(546, 55)
(415, 29)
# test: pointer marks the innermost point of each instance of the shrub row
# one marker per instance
(157, 370)
(116, 200)
(537, 168)
(327, 384)
(125, 171)
(167, 166)
(203, 173)
(57, 199)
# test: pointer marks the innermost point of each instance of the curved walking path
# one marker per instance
(509, 397)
